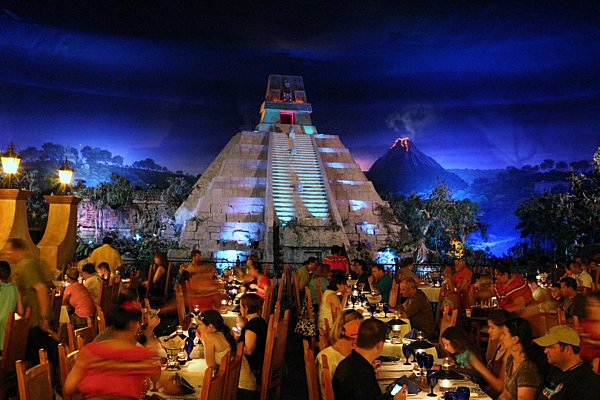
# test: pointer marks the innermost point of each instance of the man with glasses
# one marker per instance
(569, 377)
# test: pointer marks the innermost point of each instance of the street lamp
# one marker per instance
(10, 163)
(65, 174)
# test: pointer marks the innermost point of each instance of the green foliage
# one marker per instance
(562, 222)
(437, 219)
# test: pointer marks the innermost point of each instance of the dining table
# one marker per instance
(431, 291)
(390, 371)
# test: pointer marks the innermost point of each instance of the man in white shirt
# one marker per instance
(108, 254)
(583, 278)
(92, 280)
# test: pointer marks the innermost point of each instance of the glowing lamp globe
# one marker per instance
(10, 161)
(65, 173)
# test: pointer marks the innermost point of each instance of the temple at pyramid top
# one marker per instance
(285, 103)
(284, 191)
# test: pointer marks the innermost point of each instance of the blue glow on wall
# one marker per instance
(227, 258)
(356, 205)
(309, 129)
(386, 256)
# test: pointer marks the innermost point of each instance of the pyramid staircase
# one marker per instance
(297, 182)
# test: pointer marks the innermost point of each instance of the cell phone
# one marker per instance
(397, 388)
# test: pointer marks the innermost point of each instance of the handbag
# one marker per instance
(305, 326)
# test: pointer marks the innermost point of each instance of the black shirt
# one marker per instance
(354, 379)
(577, 383)
(259, 327)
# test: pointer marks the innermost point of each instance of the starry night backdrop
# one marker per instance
(475, 87)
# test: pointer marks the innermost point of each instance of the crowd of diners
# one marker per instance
(122, 359)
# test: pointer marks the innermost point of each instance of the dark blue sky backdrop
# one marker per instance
(475, 86)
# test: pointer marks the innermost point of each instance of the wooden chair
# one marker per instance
(297, 299)
(327, 330)
(88, 334)
(596, 365)
(134, 279)
(66, 361)
(575, 323)
(266, 308)
(288, 282)
(115, 291)
(55, 303)
(326, 379)
(311, 371)
(35, 383)
(180, 302)
(233, 375)
(323, 340)
(274, 363)
(319, 292)
(105, 298)
(447, 320)
(100, 320)
(562, 318)
(550, 319)
(15, 348)
(394, 295)
(214, 386)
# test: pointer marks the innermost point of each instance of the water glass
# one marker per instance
(450, 396)
(463, 393)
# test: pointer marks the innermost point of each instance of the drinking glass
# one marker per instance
(421, 360)
(432, 381)
(450, 396)
(386, 309)
(361, 286)
(407, 351)
(428, 361)
(463, 393)
(372, 308)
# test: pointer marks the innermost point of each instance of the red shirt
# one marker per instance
(337, 263)
(80, 299)
(460, 277)
(516, 287)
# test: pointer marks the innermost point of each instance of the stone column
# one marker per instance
(13, 218)
(58, 246)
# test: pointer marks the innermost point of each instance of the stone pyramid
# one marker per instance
(283, 190)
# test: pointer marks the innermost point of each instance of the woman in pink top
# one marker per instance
(79, 299)
(255, 279)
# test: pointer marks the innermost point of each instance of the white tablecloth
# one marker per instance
(432, 292)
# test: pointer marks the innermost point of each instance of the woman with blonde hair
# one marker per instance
(343, 336)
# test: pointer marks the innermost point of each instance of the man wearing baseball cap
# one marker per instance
(570, 377)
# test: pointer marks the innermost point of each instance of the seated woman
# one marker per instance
(331, 306)
(255, 280)
(78, 300)
(104, 272)
(321, 274)
(523, 377)
(117, 367)
(254, 332)
(343, 337)
(460, 346)
(218, 342)
(494, 372)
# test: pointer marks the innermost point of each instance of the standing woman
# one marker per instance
(322, 274)
(254, 332)
(218, 342)
(523, 378)
(495, 371)
(10, 299)
(255, 279)
(159, 277)
(330, 306)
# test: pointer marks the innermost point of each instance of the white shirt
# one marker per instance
(585, 278)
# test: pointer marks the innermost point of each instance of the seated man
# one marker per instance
(416, 308)
(381, 282)
(303, 273)
(569, 377)
(511, 289)
(354, 376)
(78, 299)
(573, 302)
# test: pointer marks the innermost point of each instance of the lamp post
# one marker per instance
(10, 163)
(65, 174)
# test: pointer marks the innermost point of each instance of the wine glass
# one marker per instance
(432, 380)
(463, 393)
(361, 286)
(386, 309)
(428, 361)
(421, 360)
(407, 351)
(372, 308)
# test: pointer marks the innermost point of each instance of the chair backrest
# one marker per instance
(55, 302)
(394, 295)
(151, 271)
(35, 383)
(134, 278)
(180, 302)
(105, 298)
(575, 323)
(296, 294)
(100, 320)
(266, 308)
(596, 365)
(214, 386)
(562, 318)
(323, 341)
(115, 291)
(448, 320)
(15, 342)
(311, 371)
(288, 282)
(309, 303)
(274, 375)
(233, 375)
(326, 379)
(167, 281)
(87, 334)
(319, 291)
(66, 361)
